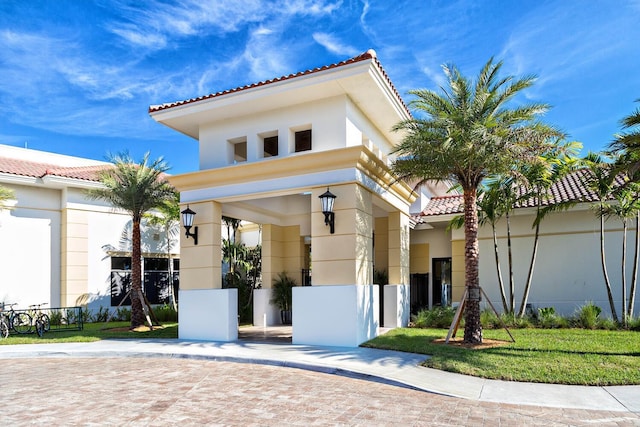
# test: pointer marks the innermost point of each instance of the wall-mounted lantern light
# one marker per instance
(187, 220)
(327, 200)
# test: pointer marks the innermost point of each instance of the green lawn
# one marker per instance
(562, 356)
(94, 332)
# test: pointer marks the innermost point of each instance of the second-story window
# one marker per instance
(303, 140)
(238, 149)
(271, 146)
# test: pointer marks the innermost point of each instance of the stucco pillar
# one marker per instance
(457, 270)
(398, 248)
(345, 257)
(74, 267)
(342, 306)
(207, 312)
(381, 244)
(271, 253)
(201, 264)
(281, 252)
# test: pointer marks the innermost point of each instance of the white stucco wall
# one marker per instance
(568, 271)
(30, 247)
(332, 127)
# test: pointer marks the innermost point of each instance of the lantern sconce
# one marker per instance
(187, 220)
(327, 199)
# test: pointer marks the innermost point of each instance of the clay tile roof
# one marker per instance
(443, 205)
(40, 170)
(572, 188)
(368, 55)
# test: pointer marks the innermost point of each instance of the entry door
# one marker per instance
(441, 281)
(419, 292)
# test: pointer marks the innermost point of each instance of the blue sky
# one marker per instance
(77, 77)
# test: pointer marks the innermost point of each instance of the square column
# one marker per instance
(345, 257)
(399, 248)
(207, 312)
(282, 251)
(342, 306)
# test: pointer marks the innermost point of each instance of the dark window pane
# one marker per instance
(303, 140)
(120, 263)
(271, 146)
(156, 264)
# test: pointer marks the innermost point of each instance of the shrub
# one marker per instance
(548, 319)
(489, 320)
(123, 314)
(55, 317)
(438, 317)
(166, 313)
(634, 324)
(587, 316)
(102, 315)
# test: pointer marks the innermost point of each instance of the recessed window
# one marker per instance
(303, 140)
(271, 146)
(239, 149)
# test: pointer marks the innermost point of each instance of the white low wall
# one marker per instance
(208, 314)
(341, 315)
(396, 306)
(263, 311)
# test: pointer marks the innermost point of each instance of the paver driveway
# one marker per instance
(165, 391)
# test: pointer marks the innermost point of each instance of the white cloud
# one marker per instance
(333, 45)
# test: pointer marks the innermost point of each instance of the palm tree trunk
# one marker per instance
(534, 253)
(604, 267)
(137, 314)
(634, 277)
(472, 326)
(512, 285)
(624, 275)
(505, 307)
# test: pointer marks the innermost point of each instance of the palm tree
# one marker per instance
(626, 146)
(625, 208)
(464, 134)
(167, 216)
(600, 180)
(136, 188)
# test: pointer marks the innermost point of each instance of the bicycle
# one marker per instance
(42, 321)
(4, 328)
(19, 321)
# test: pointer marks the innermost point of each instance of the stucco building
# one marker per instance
(60, 248)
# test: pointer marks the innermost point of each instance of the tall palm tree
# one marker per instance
(464, 134)
(167, 216)
(601, 181)
(135, 188)
(626, 146)
(625, 208)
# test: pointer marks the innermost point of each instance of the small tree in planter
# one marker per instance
(282, 296)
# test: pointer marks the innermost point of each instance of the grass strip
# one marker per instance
(559, 356)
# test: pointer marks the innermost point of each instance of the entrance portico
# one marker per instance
(267, 152)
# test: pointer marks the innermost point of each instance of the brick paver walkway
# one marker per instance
(160, 391)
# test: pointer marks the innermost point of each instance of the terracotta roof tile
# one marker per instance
(368, 55)
(39, 170)
(572, 188)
